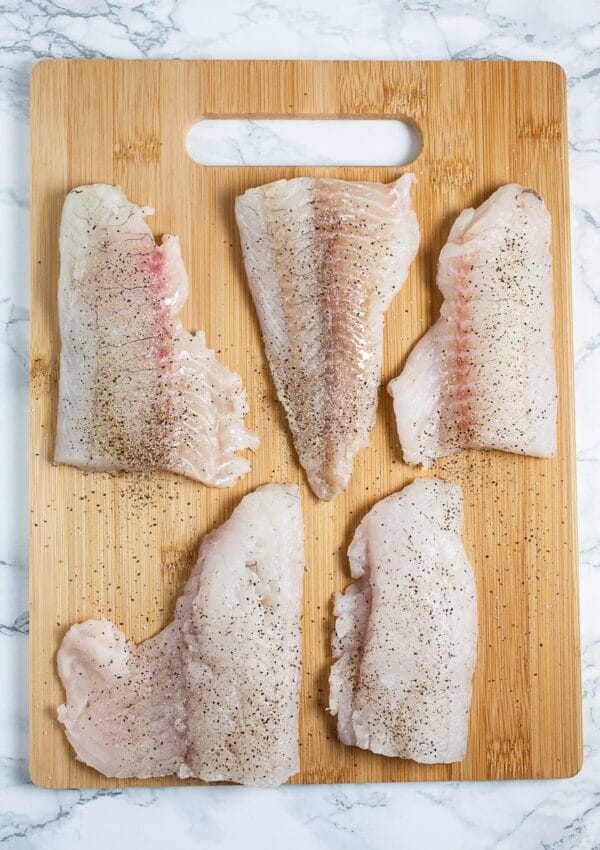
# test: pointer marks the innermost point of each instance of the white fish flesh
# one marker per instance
(406, 631)
(324, 258)
(137, 391)
(483, 377)
(215, 695)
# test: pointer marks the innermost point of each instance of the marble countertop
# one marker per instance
(562, 815)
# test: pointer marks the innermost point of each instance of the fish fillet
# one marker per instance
(137, 391)
(215, 695)
(406, 630)
(324, 258)
(483, 376)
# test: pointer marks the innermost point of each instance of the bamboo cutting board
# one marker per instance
(122, 546)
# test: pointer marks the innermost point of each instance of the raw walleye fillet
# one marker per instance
(215, 695)
(483, 376)
(137, 391)
(406, 631)
(324, 258)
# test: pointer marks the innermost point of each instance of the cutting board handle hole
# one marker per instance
(301, 142)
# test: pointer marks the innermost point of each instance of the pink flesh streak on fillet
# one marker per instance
(215, 695)
(405, 635)
(483, 376)
(324, 258)
(137, 391)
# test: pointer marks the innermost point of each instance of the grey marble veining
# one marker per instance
(555, 815)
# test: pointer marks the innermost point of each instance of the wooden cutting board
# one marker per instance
(122, 546)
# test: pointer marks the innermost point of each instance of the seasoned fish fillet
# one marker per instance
(406, 630)
(324, 258)
(137, 391)
(125, 713)
(483, 376)
(215, 695)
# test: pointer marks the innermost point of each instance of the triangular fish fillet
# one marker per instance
(406, 630)
(483, 377)
(215, 695)
(137, 391)
(324, 258)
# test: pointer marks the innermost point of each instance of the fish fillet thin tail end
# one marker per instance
(328, 487)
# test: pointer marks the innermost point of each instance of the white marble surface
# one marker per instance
(562, 815)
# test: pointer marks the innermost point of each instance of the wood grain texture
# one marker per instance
(122, 546)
